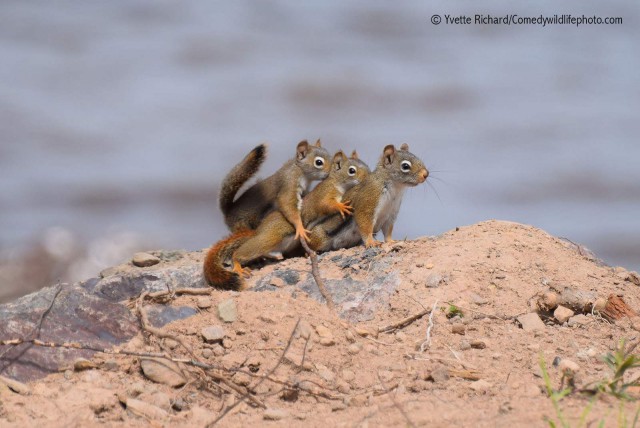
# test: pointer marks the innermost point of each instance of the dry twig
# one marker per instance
(315, 271)
(427, 342)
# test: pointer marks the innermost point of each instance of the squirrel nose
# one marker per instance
(424, 174)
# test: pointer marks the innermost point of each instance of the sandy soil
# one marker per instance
(491, 271)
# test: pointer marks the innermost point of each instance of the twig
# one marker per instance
(427, 342)
(273, 369)
(396, 404)
(315, 271)
(403, 323)
(34, 334)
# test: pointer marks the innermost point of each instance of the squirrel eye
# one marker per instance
(405, 166)
(319, 162)
(352, 170)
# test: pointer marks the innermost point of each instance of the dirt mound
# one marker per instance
(385, 358)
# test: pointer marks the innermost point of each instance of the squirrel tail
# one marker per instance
(214, 271)
(239, 175)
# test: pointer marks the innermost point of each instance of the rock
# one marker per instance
(342, 386)
(350, 336)
(354, 348)
(568, 367)
(323, 331)
(479, 344)
(274, 414)
(163, 371)
(429, 266)
(362, 331)
(76, 316)
(464, 345)
(15, 386)
(111, 365)
(348, 375)
(304, 329)
(207, 353)
(81, 364)
(480, 385)
(277, 282)
(218, 350)
(439, 374)
(325, 373)
(458, 328)
(477, 299)
(144, 260)
(214, 333)
(579, 320)
(157, 398)
(179, 404)
(562, 314)
(327, 341)
(227, 310)
(433, 280)
(400, 336)
(145, 410)
(600, 304)
(548, 301)
(531, 322)
(203, 302)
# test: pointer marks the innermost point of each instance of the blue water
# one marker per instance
(115, 115)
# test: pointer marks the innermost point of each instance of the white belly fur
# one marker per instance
(388, 206)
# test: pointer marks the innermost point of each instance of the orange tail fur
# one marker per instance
(214, 271)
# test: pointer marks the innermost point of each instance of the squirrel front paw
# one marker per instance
(344, 208)
(370, 242)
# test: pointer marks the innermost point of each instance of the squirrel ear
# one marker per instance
(318, 144)
(338, 158)
(302, 149)
(354, 155)
(388, 154)
(404, 147)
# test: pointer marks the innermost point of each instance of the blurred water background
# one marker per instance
(118, 119)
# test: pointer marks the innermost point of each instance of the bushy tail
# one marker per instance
(239, 175)
(214, 271)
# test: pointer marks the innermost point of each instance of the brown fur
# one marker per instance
(214, 272)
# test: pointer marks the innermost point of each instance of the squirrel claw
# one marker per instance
(372, 243)
(344, 208)
(301, 232)
(243, 272)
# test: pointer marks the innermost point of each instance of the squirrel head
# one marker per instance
(348, 171)
(402, 166)
(314, 160)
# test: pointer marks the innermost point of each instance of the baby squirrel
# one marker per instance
(276, 233)
(282, 191)
(376, 202)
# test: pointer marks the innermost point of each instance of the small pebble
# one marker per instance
(144, 260)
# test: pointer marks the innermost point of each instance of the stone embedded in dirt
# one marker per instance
(145, 410)
(207, 353)
(579, 320)
(163, 371)
(144, 260)
(569, 366)
(477, 299)
(274, 414)
(15, 386)
(81, 364)
(325, 373)
(213, 333)
(304, 330)
(480, 385)
(548, 301)
(479, 344)
(354, 348)
(323, 331)
(439, 374)
(464, 345)
(161, 315)
(203, 302)
(276, 281)
(111, 365)
(227, 310)
(458, 328)
(434, 279)
(562, 314)
(531, 322)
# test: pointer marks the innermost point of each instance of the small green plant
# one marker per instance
(619, 362)
(556, 396)
(453, 311)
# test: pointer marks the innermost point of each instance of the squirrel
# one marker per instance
(376, 202)
(282, 191)
(276, 233)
